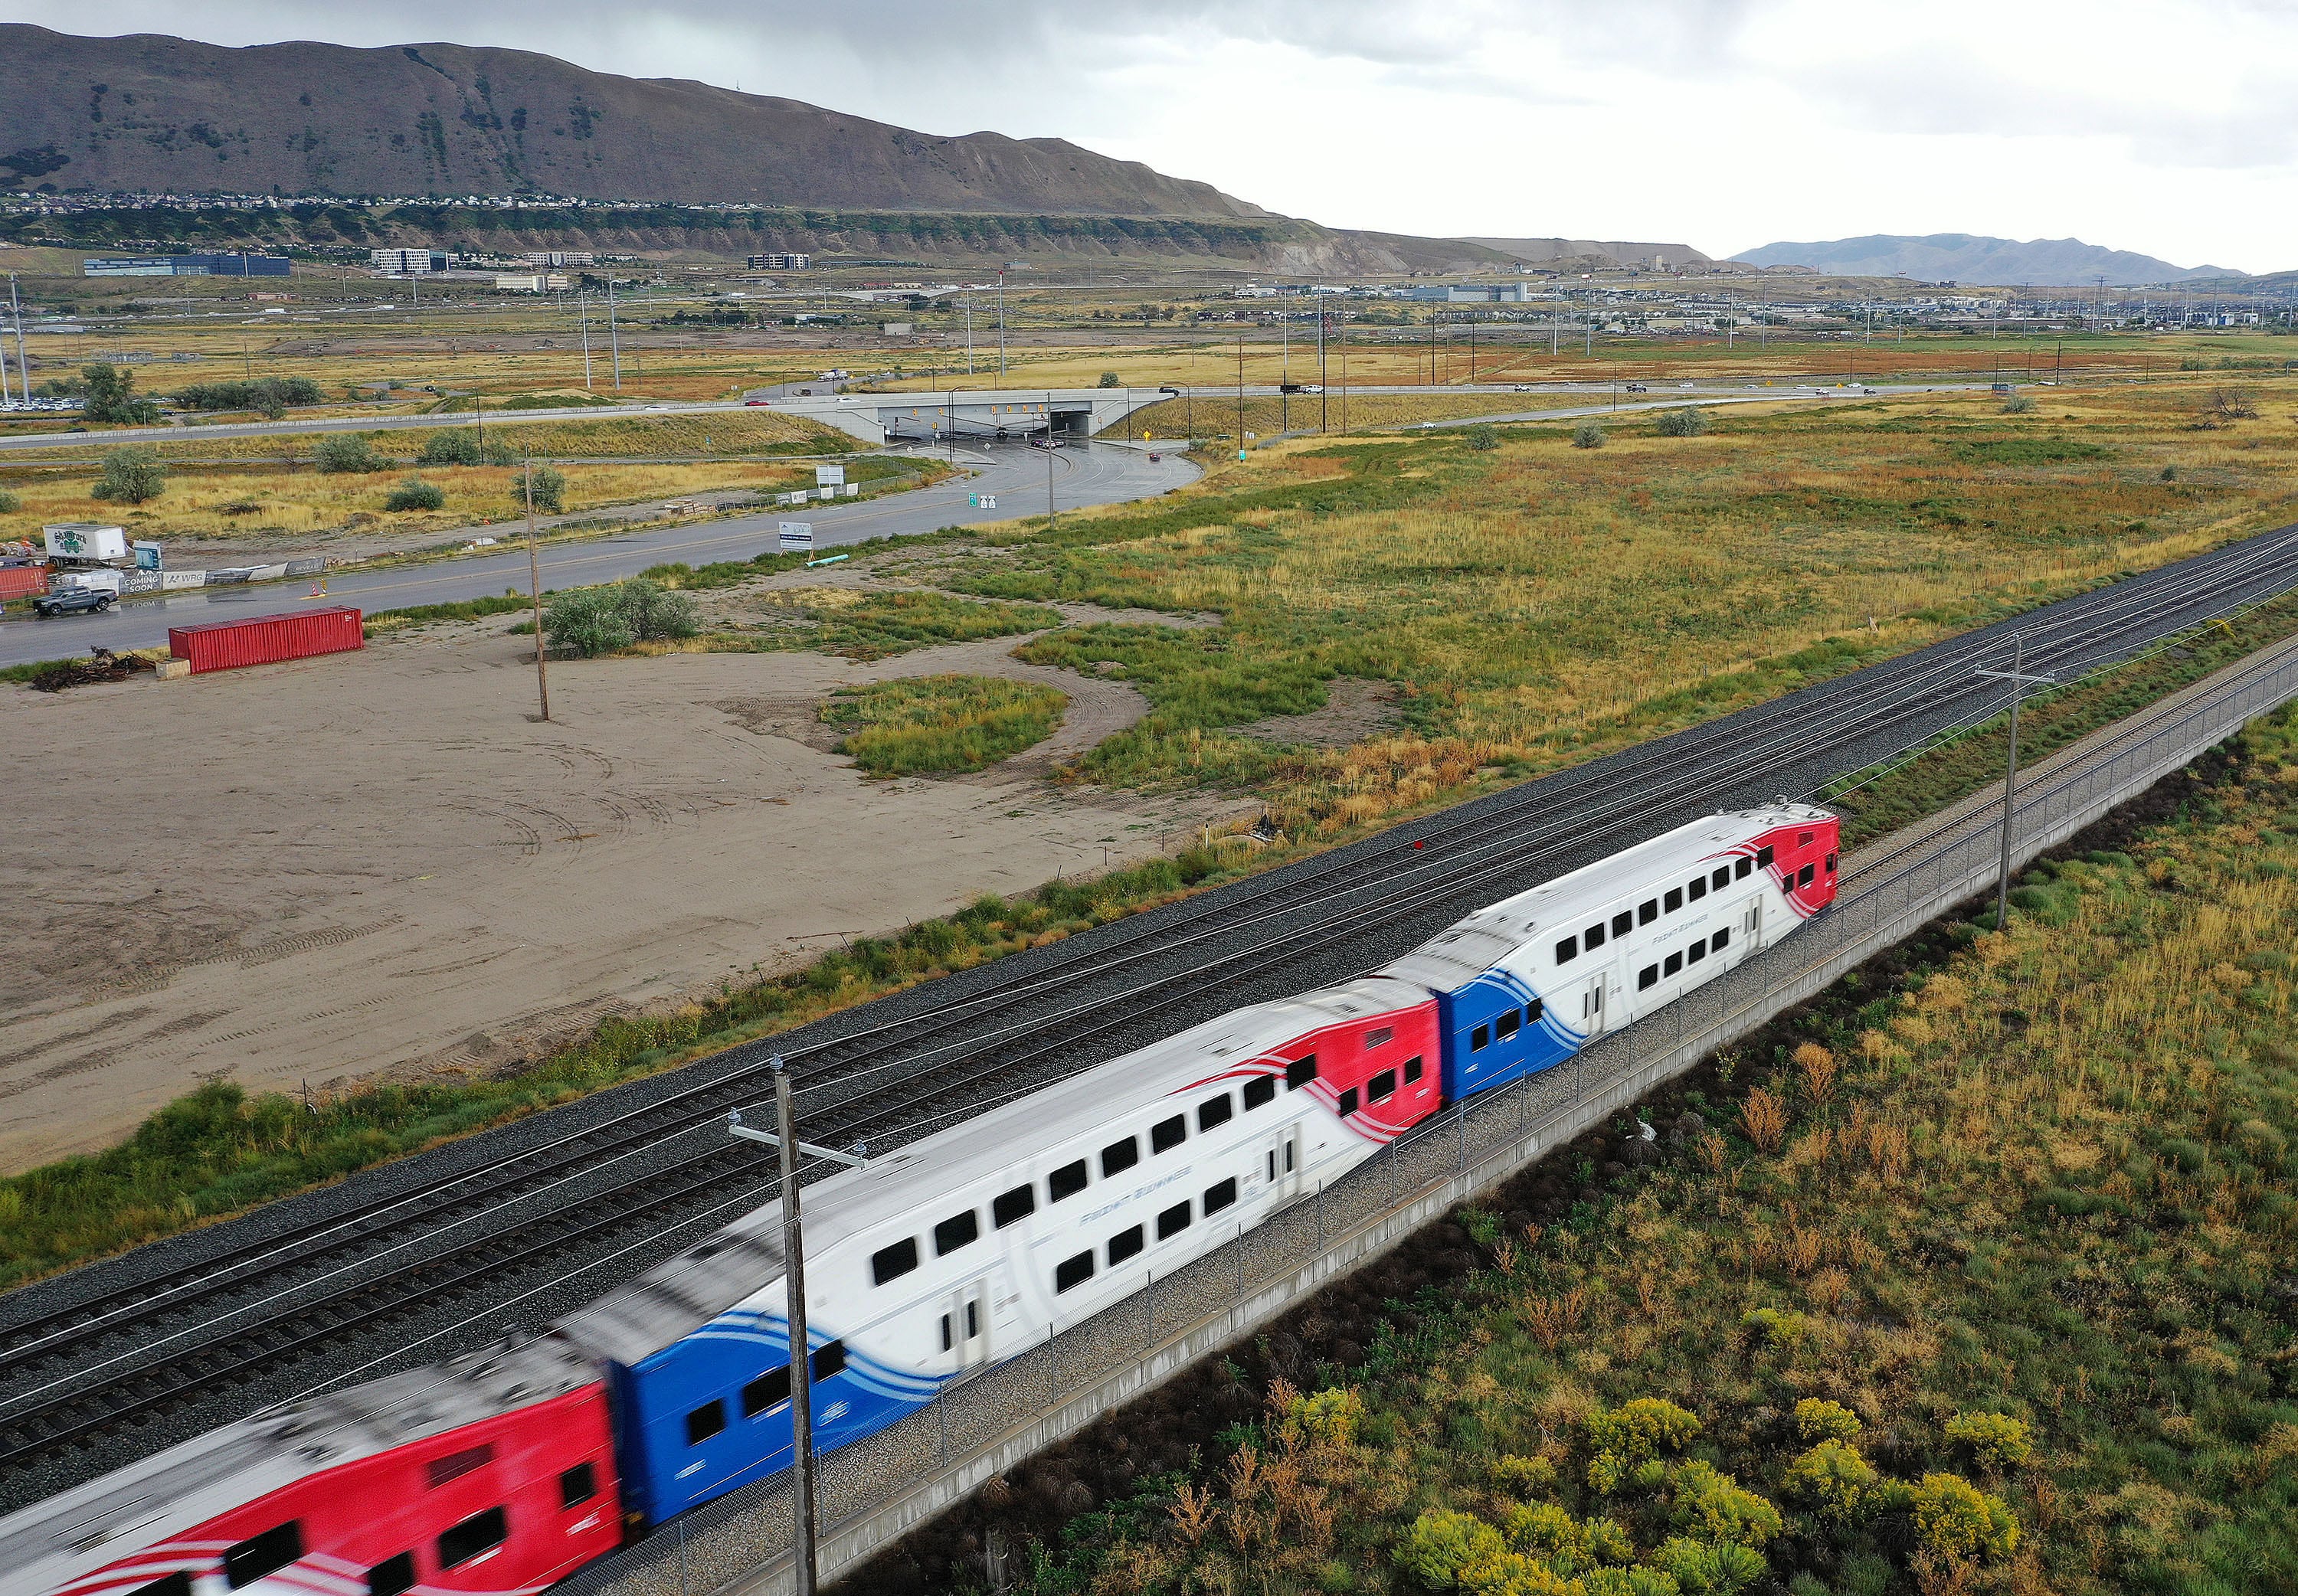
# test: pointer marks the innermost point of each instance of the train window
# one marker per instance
(577, 1486)
(1672, 963)
(1412, 1068)
(1120, 1155)
(768, 1392)
(1722, 878)
(1221, 1194)
(1008, 1208)
(1568, 950)
(259, 1555)
(1124, 1244)
(1347, 1104)
(1697, 950)
(481, 1532)
(1381, 1086)
(891, 1263)
(702, 1423)
(1300, 1073)
(1648, 911)
(829, 1359)
(388, 1577)
(946, 1341)
(455, 1465)
(179, 1583)
(1622, 922)
(1649, 976)
(1764, 856)
(1507, 1024)
(1831, 864)
(1531, 1011)
(1259, 1090)
(1722, 938)
(1696, 888)
(1380, 1036)
(1803, 876)
(956, 1231)
(1067, 1181)
(1674, 899)
(1742, 868)
(1593, 936)
(1214, 1111)
(1803, 839)
(1167, 1134)
(1173, 1220)
(1481, 1038)
(1071, 1273)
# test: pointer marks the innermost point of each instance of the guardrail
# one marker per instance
(876, 1489)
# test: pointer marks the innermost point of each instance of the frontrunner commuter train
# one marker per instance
(506, 1469)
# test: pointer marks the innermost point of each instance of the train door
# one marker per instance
(1591, 1007)
(1281, 1162)
(965, 1326)
(1751, 925)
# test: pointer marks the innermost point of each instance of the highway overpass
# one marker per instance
(972, 413)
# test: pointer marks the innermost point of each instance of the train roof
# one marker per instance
(682, 1294)
(95, 1524)
(1481, 940)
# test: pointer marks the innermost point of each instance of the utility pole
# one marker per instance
(1001, 325)
(1323, 403)
(534, 586)
(784, 1140)
(2018, 683)
(582, 315)
(614, 336)
(1240, 396)
(969, 329)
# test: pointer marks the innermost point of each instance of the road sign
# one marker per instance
(797, 537)
(825, 476)
(990, 501)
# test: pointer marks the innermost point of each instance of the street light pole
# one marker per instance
(535, 587)
(614, 336)
(2019, 682)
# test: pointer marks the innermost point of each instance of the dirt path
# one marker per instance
(338, 867)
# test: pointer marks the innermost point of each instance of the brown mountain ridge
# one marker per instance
(146, 112)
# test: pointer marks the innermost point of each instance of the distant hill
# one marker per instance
(1539, 251)
(148, 112)
(1969, 257)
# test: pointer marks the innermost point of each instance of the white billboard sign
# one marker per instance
(797, 537)
(825, 476)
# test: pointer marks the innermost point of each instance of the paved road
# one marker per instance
(1083, 475)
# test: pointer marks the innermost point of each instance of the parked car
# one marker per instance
(72, 602)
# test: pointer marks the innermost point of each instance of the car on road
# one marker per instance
(757, 401)
(1522, 388)
(72, 602)
(1154, 457)
(1638, 388)
(1686, 385)
(657, 407)
(1045, 443)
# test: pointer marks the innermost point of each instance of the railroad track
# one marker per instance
(315, 1296)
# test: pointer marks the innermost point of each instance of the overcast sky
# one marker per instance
(2164, 127)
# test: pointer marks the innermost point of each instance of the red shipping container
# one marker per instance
(21, 582)
(264, 640)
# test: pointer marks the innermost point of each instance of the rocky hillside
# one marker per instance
(1969, 257)
(148, 112)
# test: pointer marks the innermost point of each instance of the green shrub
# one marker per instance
(270, 394)
(346, 452)
(1441, 1544)
(9, 503)
(1636, 1430)
(1819, 1419)
(413, 493)
(1997, 1441)
(1703, 1569)
(1689, 422)
(1109, 379)
(1838, 1482)
(460, 446)
(111, 400)
(1628, 1582)
(1779, 1327)
(547, 488)
(1956, 1519)
(591, 621)
(1523, 1476)
(1328, 1417)
(2018, 404)
(1587, 435)
(1543, 1530)
(1712, 1506)
(1484, 437)
(131, 476)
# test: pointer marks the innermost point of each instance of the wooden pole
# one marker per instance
(534, 586)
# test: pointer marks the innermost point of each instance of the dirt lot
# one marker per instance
(328, 869)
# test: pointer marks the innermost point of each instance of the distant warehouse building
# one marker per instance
(1474, 294)
(555, 259)
(407, 262)
(781, 262)
(235, 265)
(532, 282)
